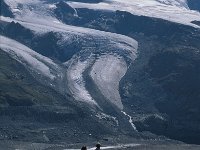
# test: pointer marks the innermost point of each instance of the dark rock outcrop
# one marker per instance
(5, 10)
(194, 4)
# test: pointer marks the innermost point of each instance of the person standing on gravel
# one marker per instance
(98, 145)
(84, 148)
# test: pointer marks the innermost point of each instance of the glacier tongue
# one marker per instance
(76, 82)
(107, 66)
(107, 72)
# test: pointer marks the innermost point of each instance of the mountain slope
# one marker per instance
(194, 4)
(15, 89)
(111, 68)
(173, 10)
(5, 10)
(30, 111)
(140, 93)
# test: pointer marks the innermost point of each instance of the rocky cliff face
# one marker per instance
(5, 10)
(194, 5)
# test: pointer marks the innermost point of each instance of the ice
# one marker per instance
(36, 15)
(28, 57)
(76, 82)
(179, 3)
(172, 10)
(107, 72)
(114, 42)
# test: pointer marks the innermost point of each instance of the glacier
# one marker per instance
(29, 58)
(120, 49)
(107, 72)
(171, 10)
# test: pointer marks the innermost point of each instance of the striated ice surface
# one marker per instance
(28, 57)
(179, 3)
(76, 82)
(172, 10)
(107, 72)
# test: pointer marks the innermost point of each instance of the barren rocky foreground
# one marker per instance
(139, 145)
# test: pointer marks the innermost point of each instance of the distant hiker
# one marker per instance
(98, 145)
(84, 148)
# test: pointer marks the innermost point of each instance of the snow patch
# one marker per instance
(52, 6)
